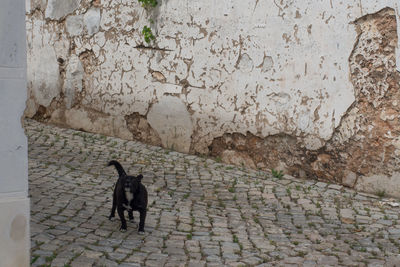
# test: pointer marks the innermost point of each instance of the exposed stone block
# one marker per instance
(73, 81)
(171, 120)
(74, 25)
(58, 9)
(92, 20)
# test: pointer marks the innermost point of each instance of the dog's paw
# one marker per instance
(122, 230)
(111, 218)
(141, 232)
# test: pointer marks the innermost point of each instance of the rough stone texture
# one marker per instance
(349, 178)
(141, 129)
(272, 75)
(201, 212)
(236, 158)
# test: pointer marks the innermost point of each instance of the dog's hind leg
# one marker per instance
(114, 206)
(142, 219)
(120, 210)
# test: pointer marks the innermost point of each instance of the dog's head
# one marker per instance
(134, 183)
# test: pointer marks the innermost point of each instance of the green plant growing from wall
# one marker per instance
(147, 4)
(147, 33)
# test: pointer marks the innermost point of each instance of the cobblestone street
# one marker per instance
(201, 212)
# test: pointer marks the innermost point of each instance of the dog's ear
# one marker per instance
(139, 177)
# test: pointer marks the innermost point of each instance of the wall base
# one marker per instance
(14, 231)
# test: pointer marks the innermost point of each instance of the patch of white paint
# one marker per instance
(171, 120)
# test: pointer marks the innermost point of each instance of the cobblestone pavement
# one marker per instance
(201, 212)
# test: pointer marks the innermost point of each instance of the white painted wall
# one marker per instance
(14, 202)
(264, 67)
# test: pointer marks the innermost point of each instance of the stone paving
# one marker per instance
(201, 212)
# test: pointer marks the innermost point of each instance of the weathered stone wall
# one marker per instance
(306, 86)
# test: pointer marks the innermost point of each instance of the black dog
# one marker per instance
(129, 194)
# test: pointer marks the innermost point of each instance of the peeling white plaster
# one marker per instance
(264, 67)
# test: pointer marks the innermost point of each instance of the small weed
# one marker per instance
(50, 258)
(277, 174)
(34, 259)
(301, 254)
(218, 159)
(189, 236)
(381, 193)
(148, 3)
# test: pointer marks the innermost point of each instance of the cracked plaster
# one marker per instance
(264, 67)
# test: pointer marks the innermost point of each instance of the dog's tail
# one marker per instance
(118, 166)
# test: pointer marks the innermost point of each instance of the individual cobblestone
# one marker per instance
(201, 212)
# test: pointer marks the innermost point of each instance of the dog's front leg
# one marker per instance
(120, 210)
(114, 206)
(142, 219)
(130, 214)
